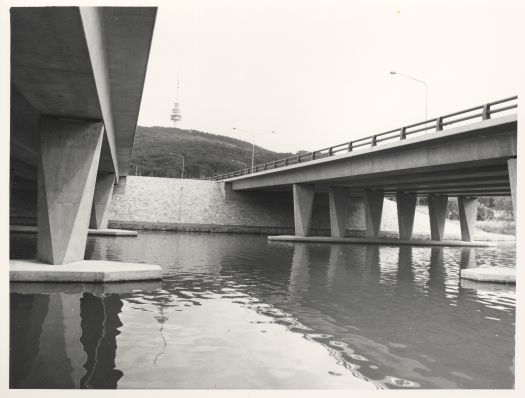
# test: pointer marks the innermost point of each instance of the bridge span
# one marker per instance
(465, 154)
(77, 76)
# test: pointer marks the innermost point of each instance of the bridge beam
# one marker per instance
(102, 200)
(303, 200)
(67, 171)
(437, 212)
(468, 209)
(487, 143)
(512, 165)
(337, 198)
(373, 212)
(406, 209)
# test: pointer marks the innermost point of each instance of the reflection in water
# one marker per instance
(381, 316)
(299, 275)
(405, 270)
(468, 257)
(28, 313)
(67, 342)
(100, 323)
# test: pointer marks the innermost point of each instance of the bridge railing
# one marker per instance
(484, 112)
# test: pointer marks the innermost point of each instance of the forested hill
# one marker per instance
(204, 154)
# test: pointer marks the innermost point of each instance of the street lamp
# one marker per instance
(135, 167)
(180, 156)
(253, 144)
(419, 81)
(236, 161)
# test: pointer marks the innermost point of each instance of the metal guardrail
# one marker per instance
(436, 124)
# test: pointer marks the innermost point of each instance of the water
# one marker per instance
(237, 311)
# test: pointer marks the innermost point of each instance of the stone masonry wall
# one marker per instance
(175, 203)
(197, 205)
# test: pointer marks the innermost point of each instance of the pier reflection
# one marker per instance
(100, 323)
(64, 336)
(400, 309)
(397, 315)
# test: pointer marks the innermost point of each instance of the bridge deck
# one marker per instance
(468, 160)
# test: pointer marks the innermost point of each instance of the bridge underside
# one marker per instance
(458, 180)
(77, 75)
(466, 162)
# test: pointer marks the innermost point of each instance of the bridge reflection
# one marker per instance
(385, 311)
(64, 336)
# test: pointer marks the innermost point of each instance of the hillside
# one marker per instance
(204, 154)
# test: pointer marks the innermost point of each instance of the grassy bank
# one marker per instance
(497, 227)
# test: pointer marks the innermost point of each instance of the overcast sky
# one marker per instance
(317, 72)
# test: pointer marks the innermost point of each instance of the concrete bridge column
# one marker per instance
(120, 186)
(102, 200)
(437, 212)
(303, 200)
(512, 165)
(406, 209)
(67, 171)
(373, 212)
(468, 209)
(338, 209)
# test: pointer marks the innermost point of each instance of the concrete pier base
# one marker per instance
(468, 208)
(380, 241)
(97, 289)
(112, 232)
(338, 209)
(406, 209)
(82, 271)
(373, 212)
(67, 171)
(102, 200)
(490, 274)
(30, 229)
(437, 213)
(303, 200)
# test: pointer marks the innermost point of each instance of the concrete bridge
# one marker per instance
(464, 154)
(77, 76)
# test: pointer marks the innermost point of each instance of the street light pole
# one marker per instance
(253, 153)
(135, 167)
(180, 156)
(253, 143)
(419, 81)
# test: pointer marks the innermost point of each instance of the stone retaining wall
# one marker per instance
(196, 205)
(175, 204)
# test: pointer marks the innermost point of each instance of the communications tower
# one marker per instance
(175, 112)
